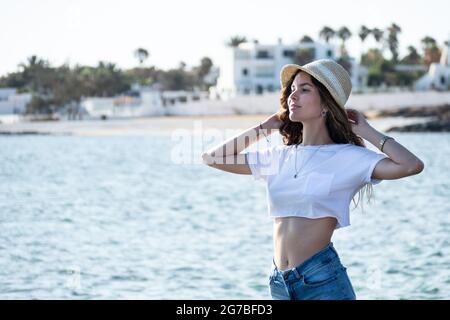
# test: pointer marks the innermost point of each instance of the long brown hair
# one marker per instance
(336, 122)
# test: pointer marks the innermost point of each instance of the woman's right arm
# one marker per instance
(227, 155)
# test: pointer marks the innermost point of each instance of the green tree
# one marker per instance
(39, 79)
(141, 54)
(235, 41)
(143, 76)
(199, 73)
(431, 52)
(205, 66)
(363, 33)
(412, 57)
(14, 80)
(109, 80)
(377, 34)
(177, 79)
(182, 65)
(344, 34)
(304, 55)
(36, 73)
(327, 33)
(392, 41)
(377, 66)
(306, 39)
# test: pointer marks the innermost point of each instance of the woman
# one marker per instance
(312, 177)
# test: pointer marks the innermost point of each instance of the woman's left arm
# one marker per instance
(401, 162)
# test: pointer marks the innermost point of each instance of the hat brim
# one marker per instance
(290, 69)
(287, 72)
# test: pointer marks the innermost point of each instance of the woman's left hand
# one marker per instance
(358, 122)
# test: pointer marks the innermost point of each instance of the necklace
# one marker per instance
(296, 172)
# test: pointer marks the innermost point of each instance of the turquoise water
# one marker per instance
(116, 218)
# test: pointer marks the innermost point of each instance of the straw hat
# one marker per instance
(328, 72)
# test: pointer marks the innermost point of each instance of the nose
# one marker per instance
(293, 96)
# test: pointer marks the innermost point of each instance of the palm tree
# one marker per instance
(36, 72)
(363, 33)
(182, 65)
(428, 42)
(377, 34)
(202, 70)
(344, 34)
(393, 41)
(235, 41)
(34, 62)
(306, 39)
(205, 66)
(431, 52)
(327, 33)
(141, 54)
(412, 57)
(303, 56)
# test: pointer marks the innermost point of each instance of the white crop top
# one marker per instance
(323, 188)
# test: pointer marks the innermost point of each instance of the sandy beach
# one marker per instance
(163, 125)
(239, 113)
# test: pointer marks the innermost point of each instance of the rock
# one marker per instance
(442, 125)
(440, 116)
(24, 133)
(425, 111)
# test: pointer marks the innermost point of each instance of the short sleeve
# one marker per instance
(370, 160)
(264, 162)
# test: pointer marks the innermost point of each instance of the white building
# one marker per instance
(143, 101)
(438, 76)
(253, 68)
(12, 105)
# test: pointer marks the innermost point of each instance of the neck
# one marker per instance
(315, 134)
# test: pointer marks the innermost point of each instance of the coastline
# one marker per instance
(435, 118)
(400, 111)
(168, 125)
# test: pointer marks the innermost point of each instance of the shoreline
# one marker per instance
(437, 118)
(406, 119)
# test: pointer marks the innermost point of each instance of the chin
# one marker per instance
(294, 119)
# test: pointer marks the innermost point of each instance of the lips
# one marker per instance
(293, 107)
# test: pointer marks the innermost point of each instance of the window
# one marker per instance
(264, 72)
(244, 72)
(329, 53)
(263, 54)
(288, 53)
(259, 89)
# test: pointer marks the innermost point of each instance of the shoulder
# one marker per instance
(279, 149)
(361, 151)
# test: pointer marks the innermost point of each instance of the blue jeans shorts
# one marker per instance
(320, 277)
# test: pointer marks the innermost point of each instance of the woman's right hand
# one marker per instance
(272, 122)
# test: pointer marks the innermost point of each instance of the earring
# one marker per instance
(323, 113)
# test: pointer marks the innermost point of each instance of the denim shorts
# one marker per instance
(320, 277)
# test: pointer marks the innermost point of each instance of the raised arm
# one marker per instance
(227, 155)
(401, 162)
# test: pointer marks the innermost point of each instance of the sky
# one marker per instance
(88, 31)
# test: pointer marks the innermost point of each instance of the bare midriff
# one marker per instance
(298, 238)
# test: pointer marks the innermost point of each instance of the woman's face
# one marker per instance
(304, 100)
